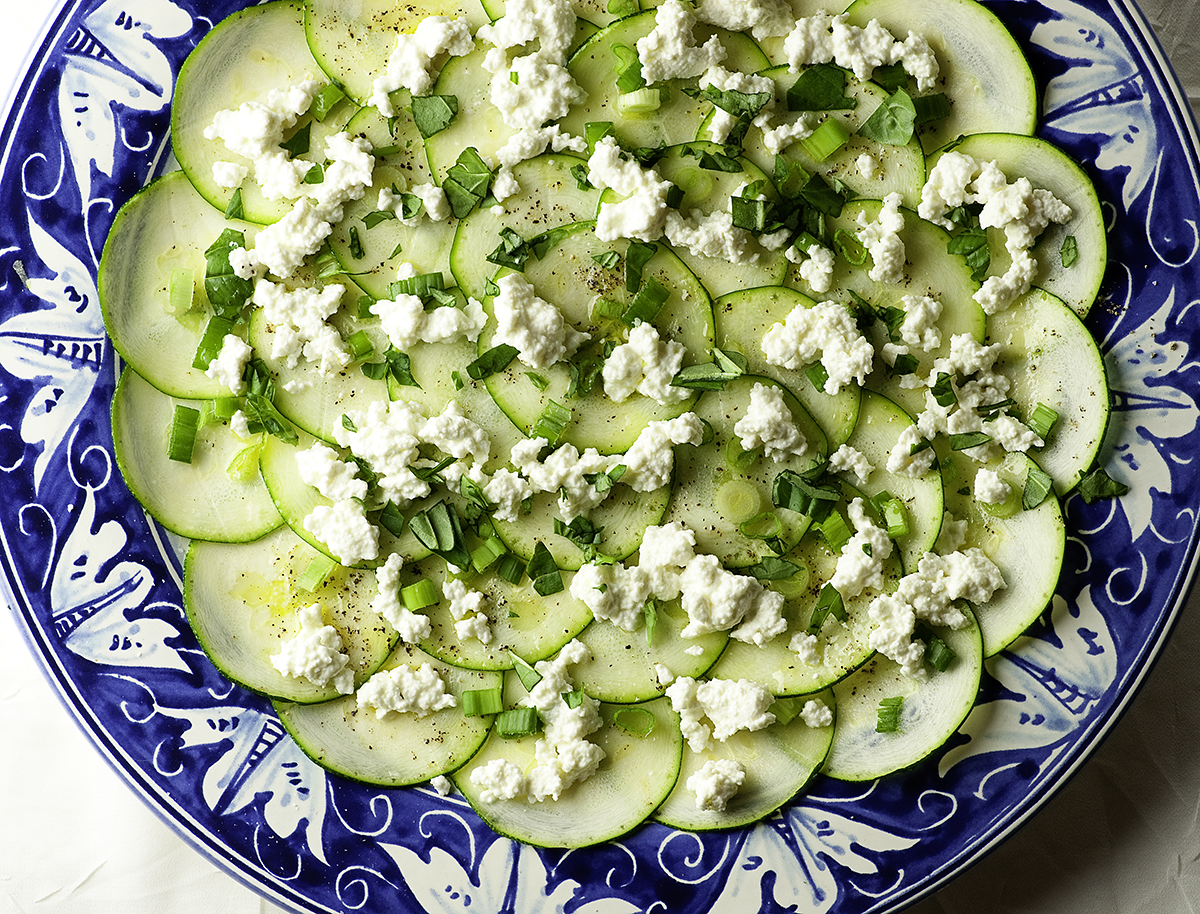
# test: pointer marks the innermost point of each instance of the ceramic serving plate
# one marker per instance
(96, 584)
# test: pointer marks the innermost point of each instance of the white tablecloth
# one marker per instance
(1122, 838)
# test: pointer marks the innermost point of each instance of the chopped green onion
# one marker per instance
(182, 295)
(595, 131)
(537, 380)
(360, 345)
(244, 466)
(607, 259)
(552, 422)
(835, 531)
(481, 702)
(646, 304)
(938, 654)
(888, 718)
(511, 569)
(316, 573)
(1042, 420)
(635, 721)
(490, 551)
(639, 102)
(787, 709)
(211, 341)
(895, 517)
(818, 375)
(325, 100)
(420, 594)
(650, 610)
(182, 441)
(828, 138)
(516, 723)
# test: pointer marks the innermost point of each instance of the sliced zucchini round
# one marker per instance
(203, 499)
(242, 601)
(933, 707)
(397, 749)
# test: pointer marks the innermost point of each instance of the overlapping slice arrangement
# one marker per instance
(627, 413)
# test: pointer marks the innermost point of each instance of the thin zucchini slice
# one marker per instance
(242, 600)
(353, 39)
(153, 240)
(1048, 167)
(779, 760)
(203, 499)
(933, 708)
(242, 59)
(1026, 545)
(1052, 358)
(984, 71)
(569, 278)
(397, 749)
(723, 493)
(637, 774)
(743, 319)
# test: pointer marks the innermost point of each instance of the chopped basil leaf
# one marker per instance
(739, 104)
(1038, 486)
(637, 256)
(772, 568)
(608, 260)
(711, 160)
(494, 360)
(395, 365)
(433, 113)
(467, 182)
(370, 220)
(929, 108)
(892, 122)
(235, 209)
(299, 143)
(1069, 252)
(1098, 484)
(227, 292)
(820, 88)
(972, 245)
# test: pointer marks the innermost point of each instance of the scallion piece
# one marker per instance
(786, 710)
(1042, 420)
(420, 594)
(641, 101)
(481, 702)
(324, 101)
(895, 517)
(181, 297)
(835, 531)
(646, 304)
(552, 423)
(888, 717)
(938, 654)
(244, 466)
(511, 569)
(211, 341)
(828, 138)
(595, 131)
(182, 441)
(635, 721)
(817, 375)
(651, 612)
(316, 573)
(516, 723)
(360, 345)
(490, 551)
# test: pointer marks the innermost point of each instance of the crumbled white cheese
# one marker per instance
(412, 627)
(868, 166)
(466, 607)
(860, 564)
(344, 528)
(643, 212)
(826, 331)
(670, 51)
(565, 471)
(315, 653)
(847, 459)
(816, 713)
(412, 64)
(716, 782)
(230, 364)
(404, 690)
(321, 467)
(499, 779)
(762, 18)
(300, 317)
(806, 647)
(817, 268)
(768, 423)
(229, 175)
(990, 488)
(902, 460)
(648, 463)
(533, 91)
(822, 38)
(713, 235)
(406, 322)
(644, 364)
(536, 328)
(613, 592)
(452, 433)
(919, 328)
(385, 435)
(442, 785)
(551, 23)
(882, 240)
(719, 708)
(505, 492)
(665, 551)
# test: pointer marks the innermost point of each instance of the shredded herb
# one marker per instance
(433, 113)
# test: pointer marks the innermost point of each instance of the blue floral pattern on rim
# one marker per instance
(97, 585)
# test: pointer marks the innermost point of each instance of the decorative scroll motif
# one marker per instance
(108, 597)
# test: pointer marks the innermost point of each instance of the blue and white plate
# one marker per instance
(96, 584)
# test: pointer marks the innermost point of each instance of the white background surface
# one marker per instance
(1122, 838)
